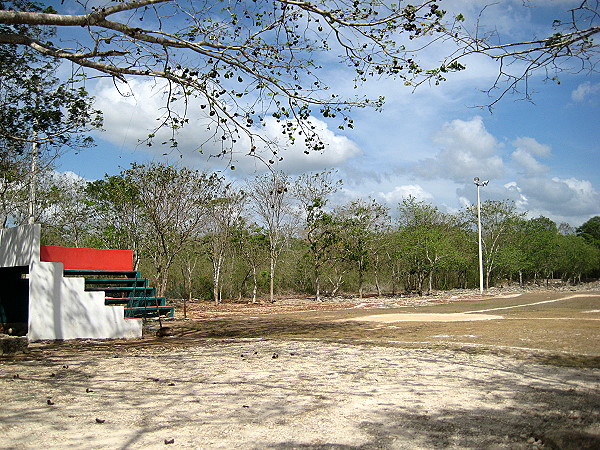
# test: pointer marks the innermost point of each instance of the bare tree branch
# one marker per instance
(250, 60)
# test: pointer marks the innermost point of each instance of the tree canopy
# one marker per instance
(246, 60)
(590, 231)
(197, 236)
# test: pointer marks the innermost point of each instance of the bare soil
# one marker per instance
(341, 374)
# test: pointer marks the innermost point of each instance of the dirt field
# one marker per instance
(384, 373)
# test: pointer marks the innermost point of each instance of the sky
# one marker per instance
(429, 143)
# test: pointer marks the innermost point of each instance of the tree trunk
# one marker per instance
(360, 283)
(430, 282)
(217, 279)
(162, 278)
(317, 285)
(185, 304)
(335, 284)
(242, 285)
(272, 280)
(520, 278)
(420, 284)
(377, 287)
(136, 259)
(255, 286)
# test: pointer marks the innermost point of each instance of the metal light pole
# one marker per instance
(32, 180)
(479, 184)
(34, 160)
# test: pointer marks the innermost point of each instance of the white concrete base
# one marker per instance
(60, 308)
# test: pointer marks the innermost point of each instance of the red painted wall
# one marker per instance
(88, 258)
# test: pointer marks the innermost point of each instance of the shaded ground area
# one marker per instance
(264, 378)
(560, 327)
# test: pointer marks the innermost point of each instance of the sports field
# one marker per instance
(562, 327)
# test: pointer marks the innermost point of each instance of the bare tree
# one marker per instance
(571, 48)
(14, 172)
(252, 244)
(171, 204)
(224, 213)
(321, 228)
(244, 58)
(69, 218)
(189, 260)
(117, 213)
(363, 222)
(271, 202)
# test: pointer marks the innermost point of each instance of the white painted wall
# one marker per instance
(59, 307)
(19, 246)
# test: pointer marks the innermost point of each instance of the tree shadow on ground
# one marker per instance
(212, 389)
(549, 426)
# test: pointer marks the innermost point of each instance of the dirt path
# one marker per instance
(528, 304)
(447, 317)
(467, 316)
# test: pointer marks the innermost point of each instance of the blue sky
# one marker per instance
(429, 143)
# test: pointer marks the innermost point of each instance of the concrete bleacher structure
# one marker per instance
(37, 298)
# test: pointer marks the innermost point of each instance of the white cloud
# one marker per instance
(467, 150)
(585, 196)
(69, 176)
(405, 147)
(399, 193)
(464, 201)
(556, 196)
(516, 194)
(585, 90)
(530, 145)
(131, 117)
(470, 135)
(524, 157)
(527, 163)
(131, 111)
(533, 190)
(338, 149)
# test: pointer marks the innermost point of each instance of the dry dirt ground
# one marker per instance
(341, 374)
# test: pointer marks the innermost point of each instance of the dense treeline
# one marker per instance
(199, 236)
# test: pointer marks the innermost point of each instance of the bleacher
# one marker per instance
(127, 288)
